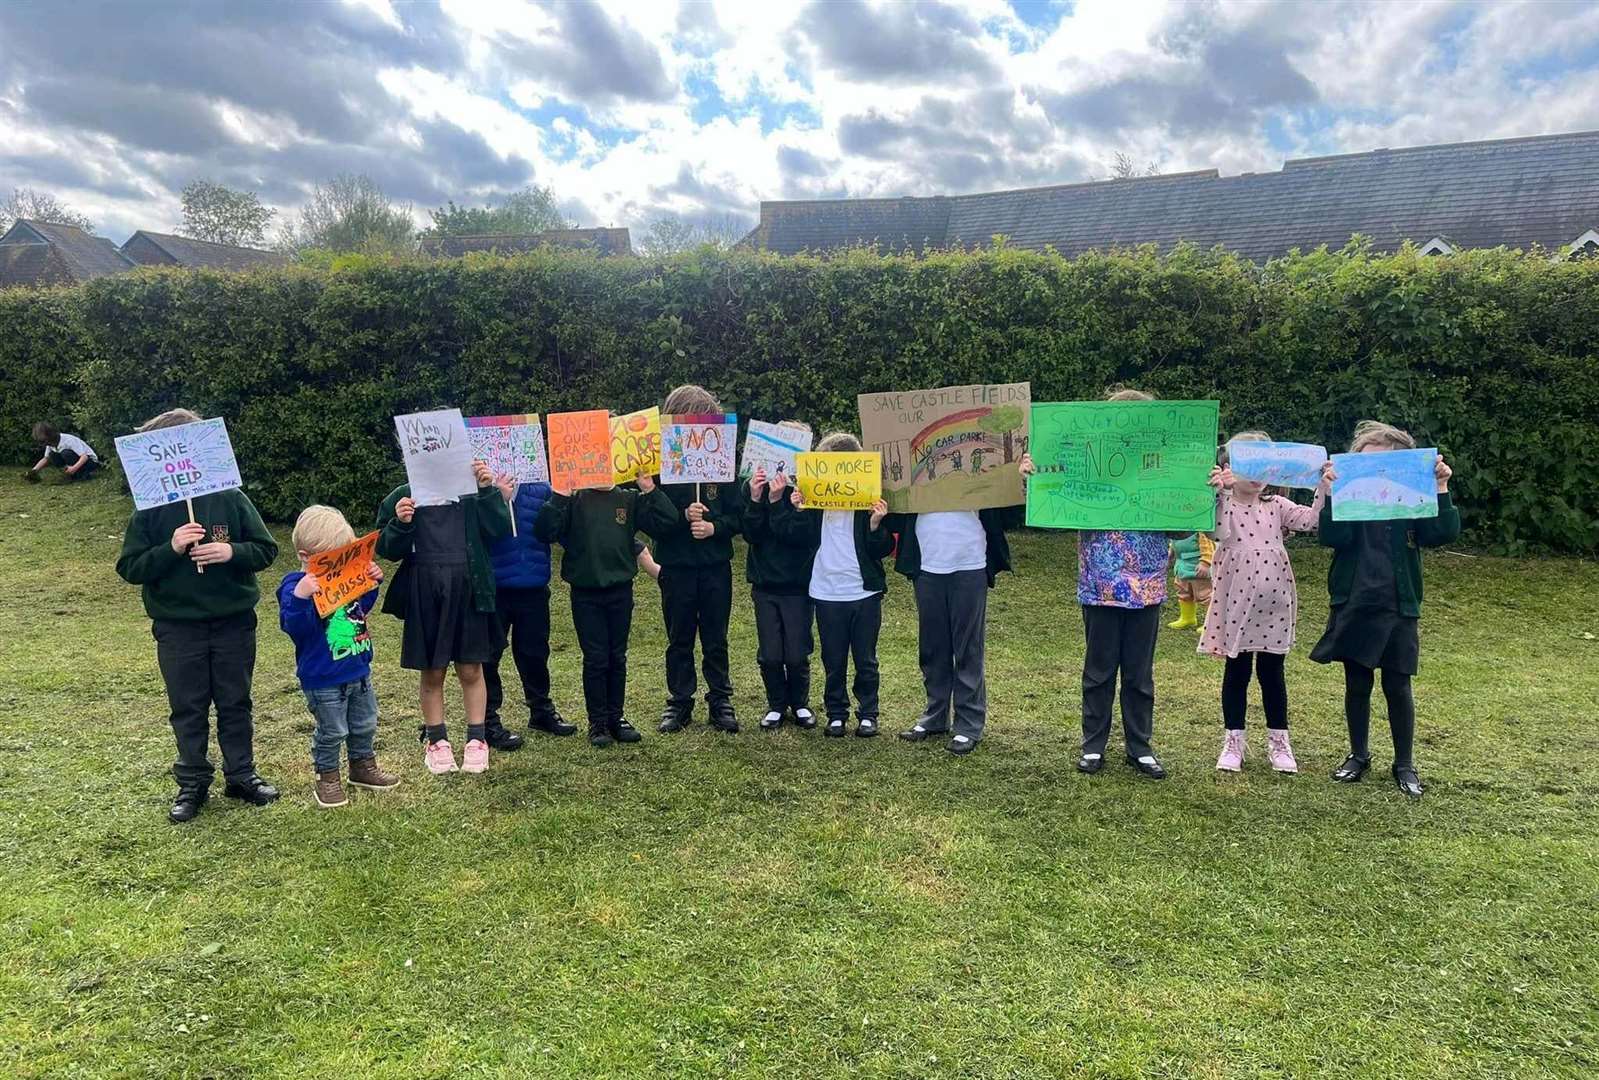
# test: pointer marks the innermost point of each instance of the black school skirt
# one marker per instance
(1370, 638)
(442, 624)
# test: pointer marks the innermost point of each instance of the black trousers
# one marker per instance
(65, 459)
(1268, 668)
(603, 618)
(697, 600)
(848, 630)
(951, 616)
(783, 636)
(526, 615)
(1119, 639)
(204, 663)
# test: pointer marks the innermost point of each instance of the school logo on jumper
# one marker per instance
(711, 491)
(621, 515)
(219, 534)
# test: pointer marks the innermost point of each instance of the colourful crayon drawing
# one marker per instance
(1283, 464)
(635, 445)
(580, 450)
(511, 445)
(772, 447)
(953, 448)
(1385, 485)
(176, 463)
(698, 449)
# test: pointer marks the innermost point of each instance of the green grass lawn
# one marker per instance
(792, 906)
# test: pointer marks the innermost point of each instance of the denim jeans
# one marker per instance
(348, 712)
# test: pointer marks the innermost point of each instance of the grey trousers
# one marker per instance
(1119, 639)
(951, 617)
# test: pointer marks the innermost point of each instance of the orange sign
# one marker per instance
(343, 574)
(579, 450)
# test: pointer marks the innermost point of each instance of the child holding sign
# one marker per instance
(333, 659)
(779, 573)
(204, 626)
(695, 550)
(1255, 610)
(1375, 582)
(847, 586)
(444, 593)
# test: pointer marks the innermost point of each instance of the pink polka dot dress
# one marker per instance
(1255, 603)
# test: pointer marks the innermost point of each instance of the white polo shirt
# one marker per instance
(951, 541)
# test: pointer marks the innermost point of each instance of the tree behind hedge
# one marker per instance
(1492, 356)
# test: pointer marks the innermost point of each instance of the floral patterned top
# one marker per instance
(1121, 568)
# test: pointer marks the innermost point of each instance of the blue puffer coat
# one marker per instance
(520, 561)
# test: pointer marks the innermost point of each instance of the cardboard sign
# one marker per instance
(177, 463)
(343, 574)
(636, 445)
(772, 447)
(1139, 465)
(953, 448)
(511, 445)
(438, 456)
(1385, 485)
(580, 450)
(834, 481)
(1285, 464)
(699, 449)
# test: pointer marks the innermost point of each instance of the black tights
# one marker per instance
(1273, 690)
(1357, 711)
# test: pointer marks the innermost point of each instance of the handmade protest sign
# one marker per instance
(772, 447)
(511, 445)
(1385, 485)
(953, 448)
(176, 463)
(343, 574)
(839, 481)
(635, 445)
(698, 449)
(438, 456)
(580, 450)
(1140, 465)
(1285, 464)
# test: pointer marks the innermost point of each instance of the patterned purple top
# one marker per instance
(1121, 569)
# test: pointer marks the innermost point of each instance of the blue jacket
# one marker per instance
(521, 561)
(331, 651)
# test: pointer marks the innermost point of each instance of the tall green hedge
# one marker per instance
(1493, 356)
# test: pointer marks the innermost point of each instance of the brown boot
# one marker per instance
(364, 772)
(329, 791)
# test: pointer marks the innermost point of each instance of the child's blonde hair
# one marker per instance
(797, 425)
(839, 442)
(690, 399)
(1223, 457)
(1127, 393)
(320, 528)
(1370, 433)
(170, 418)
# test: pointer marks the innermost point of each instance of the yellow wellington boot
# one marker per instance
(1187, 619)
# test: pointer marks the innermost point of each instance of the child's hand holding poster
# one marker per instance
(176, 463)
(698, 449)
(772, 447)
(343, 574)
(511, 446)
(438, 456)
(840, 481)
(1284, 464)
(1385, 485)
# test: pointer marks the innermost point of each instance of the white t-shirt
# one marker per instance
(836, 573)
(951, 541)
(76, 445)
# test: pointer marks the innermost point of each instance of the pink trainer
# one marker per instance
(440, 757)
(1279, 752)
(1232, 752)
(475, 758)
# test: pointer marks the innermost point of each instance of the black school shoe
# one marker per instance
(675, 718)
(866, 729)
(1352, 770)
(549, 723)
(836, 729)
(252, 789)
(1407, 780)
(804, 719)
(1090, 763)
(723, 719)
(772, 720)
(1151, 768)
(499, 737)
(599, 738)
(960, 745)
(918, 733)
(187, 804)
(624, 732)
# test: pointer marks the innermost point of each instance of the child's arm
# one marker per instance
(493, 514)
(1293, 517)
(255, 548)
(297, 615)
(146, 558)
(1440, 530)
(396, 526)
(757, 516)
(553, 519)
(879, 540)
(657, 513)
(793, 525)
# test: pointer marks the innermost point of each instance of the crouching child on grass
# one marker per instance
(333, 658)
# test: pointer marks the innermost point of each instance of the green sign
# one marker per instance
(1123, 465)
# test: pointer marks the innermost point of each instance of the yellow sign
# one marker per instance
(635, 445)
(839, 481)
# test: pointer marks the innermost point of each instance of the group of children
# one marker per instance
(469, 585)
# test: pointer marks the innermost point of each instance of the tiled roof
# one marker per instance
(32, 264)
(1542, 190)
(80, 255)
(162, 249)
(601, 241)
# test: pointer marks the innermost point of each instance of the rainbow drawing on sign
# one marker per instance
(949, 448)
(699, 448)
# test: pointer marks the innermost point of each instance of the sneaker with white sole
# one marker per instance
(1279, 752)
(475, 758)
(440, 757)
(1232, 752)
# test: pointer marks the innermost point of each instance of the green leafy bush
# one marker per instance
(1493, 356)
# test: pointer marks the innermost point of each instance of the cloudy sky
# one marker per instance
(630, 109)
